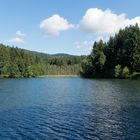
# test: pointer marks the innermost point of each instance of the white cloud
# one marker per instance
(89, 43)
(18, 39)
(20, 34)
(83, 44)
(55, 24)
(99, 22)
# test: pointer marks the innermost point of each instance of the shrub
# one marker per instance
(117, 71)
(125, 72)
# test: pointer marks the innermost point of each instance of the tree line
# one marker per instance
(16, 62)
(117, 58)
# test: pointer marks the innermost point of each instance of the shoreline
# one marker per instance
(40, 76)
(57, 76)
(132, 77)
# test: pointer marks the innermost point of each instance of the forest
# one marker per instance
(117, 58)
(16, 63)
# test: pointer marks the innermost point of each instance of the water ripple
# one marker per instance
(44, 123)
(81, 109)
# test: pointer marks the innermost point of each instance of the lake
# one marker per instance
(69, 109)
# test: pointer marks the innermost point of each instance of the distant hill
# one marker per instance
(47, 55)
(57, 59)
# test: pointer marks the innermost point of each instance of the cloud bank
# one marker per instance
(105, 22)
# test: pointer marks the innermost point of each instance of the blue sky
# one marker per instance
(67, 26)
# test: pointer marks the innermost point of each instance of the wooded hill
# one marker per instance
(15, 62)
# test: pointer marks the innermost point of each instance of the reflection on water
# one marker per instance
(69, 109)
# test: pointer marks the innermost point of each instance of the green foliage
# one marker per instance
(94, 64)
(87, 68)
(125, 72)
(117, 71)
(15, 62)
(121, 51)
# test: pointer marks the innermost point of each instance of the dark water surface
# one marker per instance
(69, 109)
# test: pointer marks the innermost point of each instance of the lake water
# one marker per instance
(69, 109)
